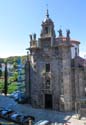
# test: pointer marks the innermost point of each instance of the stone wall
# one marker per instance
(81, 83)
(66, 75)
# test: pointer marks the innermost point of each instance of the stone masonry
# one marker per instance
(53, 79)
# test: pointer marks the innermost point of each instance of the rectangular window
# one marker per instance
(47, 67)
(46, 30)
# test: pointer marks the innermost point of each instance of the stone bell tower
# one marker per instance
(42, 64)
(47, 32)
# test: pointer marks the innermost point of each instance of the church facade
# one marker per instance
(55, 73)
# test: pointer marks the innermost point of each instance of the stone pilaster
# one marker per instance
(77, 79)
(66, 75)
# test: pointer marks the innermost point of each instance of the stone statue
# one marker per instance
(30, 37)
(60, 32)
(68, 33)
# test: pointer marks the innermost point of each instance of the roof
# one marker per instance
(75, 41)
(81, 61)
(64, 39)
(47, 19)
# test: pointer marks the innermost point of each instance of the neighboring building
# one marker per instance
(55, 74)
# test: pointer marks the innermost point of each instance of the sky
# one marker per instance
(19, 18)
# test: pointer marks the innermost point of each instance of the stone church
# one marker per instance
(55, 74)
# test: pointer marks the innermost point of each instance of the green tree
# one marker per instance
(15, 76)
(15, 65)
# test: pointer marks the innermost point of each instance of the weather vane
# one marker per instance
(60, 26)
(47, 6)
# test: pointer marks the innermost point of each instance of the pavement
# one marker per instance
(41, 114)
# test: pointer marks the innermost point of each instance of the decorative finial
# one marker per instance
(30, 37)
(68, 33)
(47, 13)
(34, 35)
(60, 32)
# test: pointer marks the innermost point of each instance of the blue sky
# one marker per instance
(19, 18)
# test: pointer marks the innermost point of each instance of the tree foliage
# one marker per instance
(12, 87)
(13, 59)
(0, 69)
(7, 86)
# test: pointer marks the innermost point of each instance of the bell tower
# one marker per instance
(47, 27)
(47, 35)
